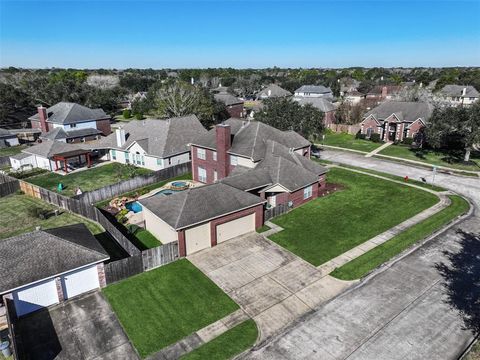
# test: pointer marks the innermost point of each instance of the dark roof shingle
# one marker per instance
(70, 113)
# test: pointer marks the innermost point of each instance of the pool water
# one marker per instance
(166, 192)
(134, 206)
(179, 184)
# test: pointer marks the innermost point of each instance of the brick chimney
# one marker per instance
(42, 115)
(223, 139)
(384, 92)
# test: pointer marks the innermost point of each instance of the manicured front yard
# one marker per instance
(365, 263)
(328, 226)
(348, 141)
(452, 159)
(227, 345)
(160, 307)
(90, 179)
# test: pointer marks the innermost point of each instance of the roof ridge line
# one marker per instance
(181, 209)
(255, 140)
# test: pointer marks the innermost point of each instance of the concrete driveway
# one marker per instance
(272, 285)
(84, 328)
(424, 306)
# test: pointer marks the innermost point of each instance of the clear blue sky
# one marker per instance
(158, 34)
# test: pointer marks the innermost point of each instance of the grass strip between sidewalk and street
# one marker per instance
(227, 345)
(367, 262)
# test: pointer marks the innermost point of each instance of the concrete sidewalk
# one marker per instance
(377, 150)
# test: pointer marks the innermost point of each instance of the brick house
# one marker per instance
(321, 104)
(383, 92)
(202, 217)
(460, 94)
(396, 120)
(71, 122)
(254, 157)
(233, 104)
(45, 267)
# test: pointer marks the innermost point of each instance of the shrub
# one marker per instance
(359, 135)
(407, 141)
(139, 116)
(127, 114)
(375, 138)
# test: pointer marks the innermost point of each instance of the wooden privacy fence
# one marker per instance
(275, 211)
(8, 185)
(349, 129)
(110, 191)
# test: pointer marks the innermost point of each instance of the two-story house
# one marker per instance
(314, 91)
(460, 94)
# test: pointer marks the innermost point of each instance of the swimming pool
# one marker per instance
(166, 192)
(133, 206)
(179, 184)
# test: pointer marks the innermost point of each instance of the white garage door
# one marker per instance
(197, 238)
(80, 281)
(235, 228)
(35, 297)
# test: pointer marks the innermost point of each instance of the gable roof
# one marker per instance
(48, 148)
(249, 138)
(70, 113)
(38, 255)
(407, 110)
(316, 89)
(391, 89)
(457, 90)
(321, 104)
(279, 166)
(227, 99)
(160, 138)
(59, 133)
(4, 133)
(272, 91)
(200, 204)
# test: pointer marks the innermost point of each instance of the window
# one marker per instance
(307, 192)
(127, 157)
(202, 174)
(215, 175)
(201, 154)
(233, 160)
(159, 162)
(369, 133)
(214, 154)
(114, 154)
(73, 125)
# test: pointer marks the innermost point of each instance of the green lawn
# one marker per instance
(348, 141)
(452, 159)
(227, 345)
(160, 307)
(12, 150)
(88, 180)
(328, 226)
(145, 240)
(365, 263)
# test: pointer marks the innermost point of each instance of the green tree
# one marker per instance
(286, 114)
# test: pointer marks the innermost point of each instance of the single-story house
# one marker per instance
(273, 91)
(460, 94)
(70, 116)
(51, 155)
(314, 91)
(202, 217)
(7, 138)
(396, 120)
(46, 267)
(153, 144)
(321, 104)
(233, 104)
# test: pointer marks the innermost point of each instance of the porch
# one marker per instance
(72, 160)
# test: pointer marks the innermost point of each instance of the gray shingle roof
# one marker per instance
(457, 90)
(316, 89)
(4, 133)
(273, 91)
(42, 254)
(20, 156)
(406, 110)
(319, 103)
(160, 138)
(249, 138)
(48, 148)
(279, 166)
(70, 113)
(227, 99)
(59, 134)
(199, 204)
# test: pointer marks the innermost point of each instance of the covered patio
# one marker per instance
(67, 155)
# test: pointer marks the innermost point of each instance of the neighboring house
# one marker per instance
(354, 97)
(321, 104)
(460, 94)
(69, 117)
(72, 136)
(152, 144)
(202, 217)
(273, 91)
(45, 267)
(52, 155)
(396, 120)
(233, 104)
(348, 85)
(7, 138)
(130, 99)
(384, 92)
(314, 91)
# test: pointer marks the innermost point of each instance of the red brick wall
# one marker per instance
(36, 124)
(415, 128)
(101, 275)
(223, 140)
(369, 123)
(208, 164)
(329, 118)
(297, 196)
(235, 110)
(258, 210)
(182, 246)
(104, 126)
